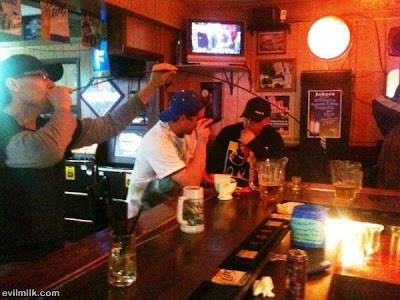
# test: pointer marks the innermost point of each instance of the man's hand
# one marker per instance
(202, 131)
(208, 179)
(161, 73)
(59, 98)
(246, 136)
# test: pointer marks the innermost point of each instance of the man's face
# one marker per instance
(190, 123)
(33, 88)
(255, 126)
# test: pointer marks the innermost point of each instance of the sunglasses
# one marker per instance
(44, 75)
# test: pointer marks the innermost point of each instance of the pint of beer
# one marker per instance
(269, 177)
(346, 178)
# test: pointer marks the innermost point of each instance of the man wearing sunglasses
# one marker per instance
(32, 151)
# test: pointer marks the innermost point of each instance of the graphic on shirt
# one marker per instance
(237, 160)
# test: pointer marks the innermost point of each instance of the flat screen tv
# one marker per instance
(215, 42)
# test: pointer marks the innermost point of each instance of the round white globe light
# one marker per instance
(329, 37)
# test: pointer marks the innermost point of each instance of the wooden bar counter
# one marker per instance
(173, 264)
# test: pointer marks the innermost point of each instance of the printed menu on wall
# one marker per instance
(324, 114)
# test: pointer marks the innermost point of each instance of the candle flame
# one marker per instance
(358, 240)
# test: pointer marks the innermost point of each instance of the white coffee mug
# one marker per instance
(190, 212)
(220, 181)
(225, 190)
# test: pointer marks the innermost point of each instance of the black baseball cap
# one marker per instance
(257, 109)
(22, 64)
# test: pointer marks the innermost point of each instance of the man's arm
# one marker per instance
(193, 173)
(46, 146)
(101, 129)
(161, 73)
(268, 144)
(276, 145)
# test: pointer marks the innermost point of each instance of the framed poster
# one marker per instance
(324, 114)
(276, 75)
(271, 42)
(279, 120)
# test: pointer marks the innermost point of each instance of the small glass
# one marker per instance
(296, 182)
(373, 239)
(122, 262)
(395, 245)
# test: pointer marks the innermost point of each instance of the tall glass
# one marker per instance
(122, 262)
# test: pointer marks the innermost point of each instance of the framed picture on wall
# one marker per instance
(280, 108)
(276, 75)
(271, 42)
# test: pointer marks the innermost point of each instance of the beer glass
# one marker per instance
(122, 261)
(269, 177)
(346, 178)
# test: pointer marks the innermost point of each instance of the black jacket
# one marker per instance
(221, 159)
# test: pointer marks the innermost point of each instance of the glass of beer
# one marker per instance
(346, 178)
(122, 261)
(269, 177)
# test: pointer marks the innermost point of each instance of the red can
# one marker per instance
(296, 269)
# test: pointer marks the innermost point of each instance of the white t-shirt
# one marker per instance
(160, 154)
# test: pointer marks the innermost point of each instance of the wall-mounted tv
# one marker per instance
(210, 41)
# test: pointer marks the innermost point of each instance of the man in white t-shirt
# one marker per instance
(173, 153)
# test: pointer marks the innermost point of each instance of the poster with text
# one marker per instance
(10, 17)
(279, 113)
(324, 114)
(54, 22)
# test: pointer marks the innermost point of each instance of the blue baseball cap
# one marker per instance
(182, 103)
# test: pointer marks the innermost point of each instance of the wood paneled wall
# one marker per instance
(167, 12)
(368, 58)
(370, 22)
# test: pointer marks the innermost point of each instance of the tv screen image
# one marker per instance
(121, 150)
(215, 41)
(86, 150)
(216, 38)
(126, 144)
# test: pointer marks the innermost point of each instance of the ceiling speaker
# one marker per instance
(394, 41)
